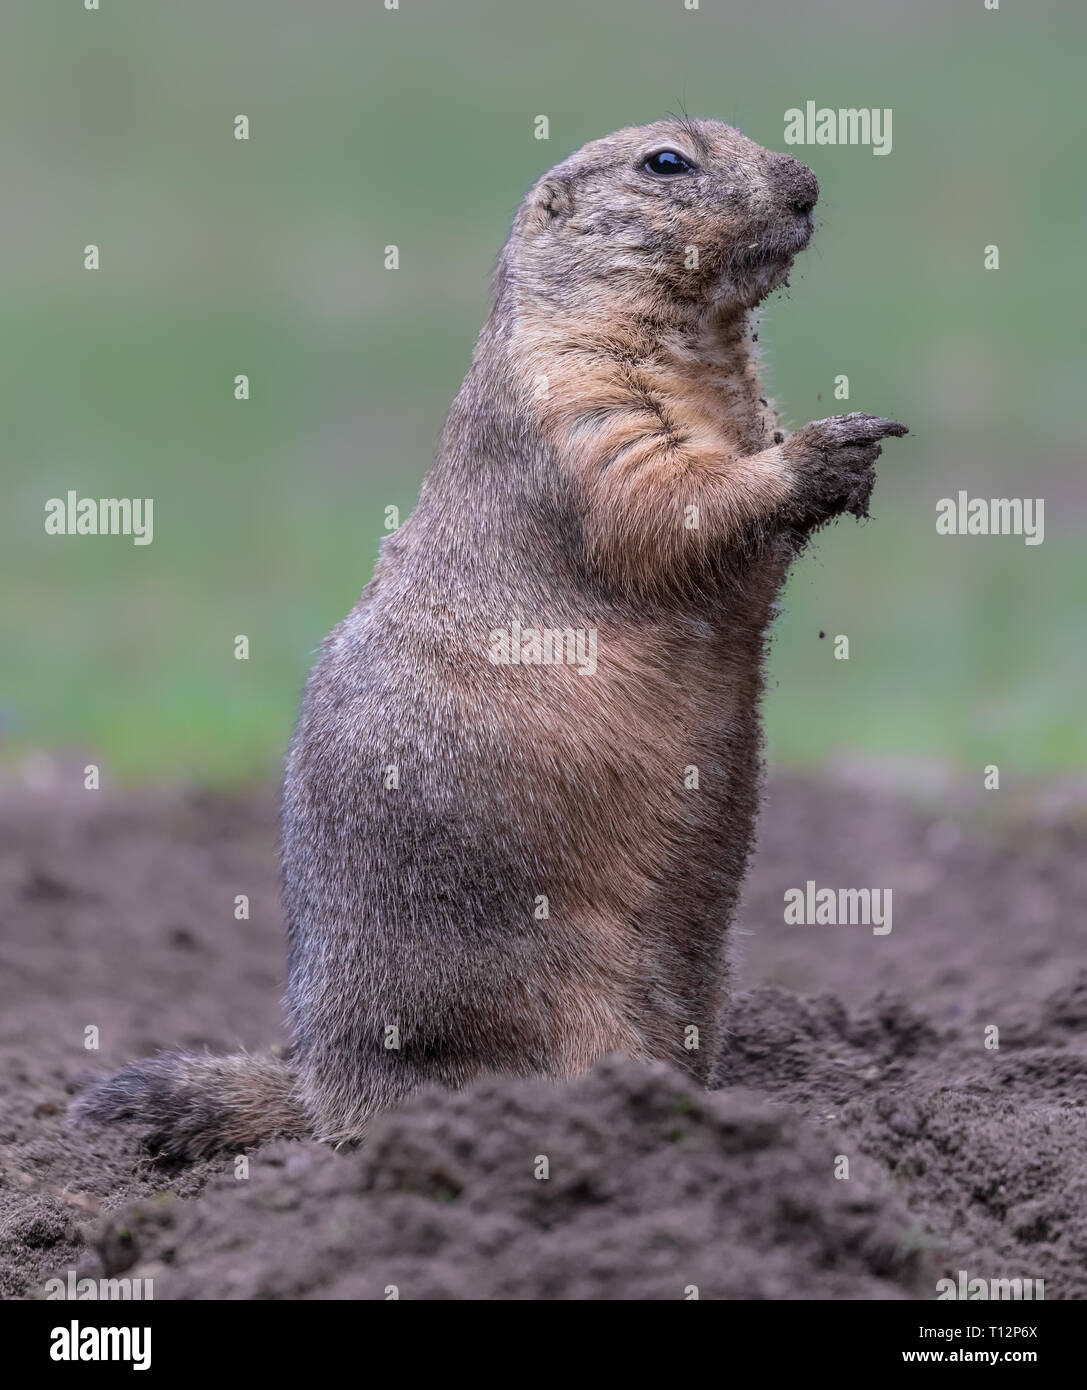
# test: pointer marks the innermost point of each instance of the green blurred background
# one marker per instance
(415, 127)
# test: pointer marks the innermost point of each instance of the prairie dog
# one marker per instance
(520, 796)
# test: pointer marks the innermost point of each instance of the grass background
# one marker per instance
(415, 127)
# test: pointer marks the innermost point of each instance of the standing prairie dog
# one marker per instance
(520, 796)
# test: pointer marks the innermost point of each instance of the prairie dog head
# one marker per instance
(678, 213)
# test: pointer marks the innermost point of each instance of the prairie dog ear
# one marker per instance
(552, 202)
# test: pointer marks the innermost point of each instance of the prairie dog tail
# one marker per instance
(190, 1106)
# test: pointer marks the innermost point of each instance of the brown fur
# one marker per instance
(613, 390)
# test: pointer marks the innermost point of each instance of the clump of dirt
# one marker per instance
(890, 1109)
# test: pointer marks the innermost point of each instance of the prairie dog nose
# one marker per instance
(799, 186)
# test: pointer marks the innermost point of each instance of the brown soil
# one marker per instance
(118, 913)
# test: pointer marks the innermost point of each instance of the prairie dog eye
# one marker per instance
(667, 163)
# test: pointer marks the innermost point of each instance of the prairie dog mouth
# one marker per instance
(770, 249)
(777, 244)
(758, 267)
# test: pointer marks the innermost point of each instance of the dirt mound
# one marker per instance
(652, 1189)
(846, 1048)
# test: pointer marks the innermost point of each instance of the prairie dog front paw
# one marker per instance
(834, 461)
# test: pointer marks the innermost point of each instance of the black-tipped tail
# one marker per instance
(190, 1106)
